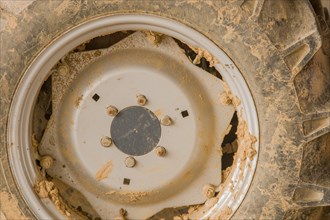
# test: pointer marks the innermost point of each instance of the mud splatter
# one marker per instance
(246, 141)
(225, 173)
(47, 189)
(203, 53)
(153, 37)
(129, 196)
(104, 171)
(10, 207)
(34, 141)
(227, 98)
(78, 101)
(225, 214)
(180, 218)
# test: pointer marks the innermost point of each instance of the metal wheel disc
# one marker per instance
(136, 125)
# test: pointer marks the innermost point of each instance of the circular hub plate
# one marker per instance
(135, 130)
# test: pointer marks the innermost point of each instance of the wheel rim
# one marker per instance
(22, 105)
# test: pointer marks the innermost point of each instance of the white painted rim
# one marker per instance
(20, 120)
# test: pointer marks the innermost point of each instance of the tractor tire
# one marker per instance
(281, 50)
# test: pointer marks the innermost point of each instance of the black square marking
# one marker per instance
(184, 113)
(96, 97)
(126, 181)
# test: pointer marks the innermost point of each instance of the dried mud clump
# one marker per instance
(227, 98)
(245, 140)
(202, 53)
(47, 189)
(153, 37)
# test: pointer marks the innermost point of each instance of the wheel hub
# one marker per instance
(181, 119)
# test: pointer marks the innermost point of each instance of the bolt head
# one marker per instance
(106, 141)
(130, 162)
(166, 120)
(141, 100)
(112, 110)
(160, 151)
(209, 191)
(63, 70)
(46, 162)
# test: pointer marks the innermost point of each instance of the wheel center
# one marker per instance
(135, 130)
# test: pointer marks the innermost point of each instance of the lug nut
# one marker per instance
(112, 110)
(160, 151)
(63, 70)
(141, 100)
(209, 191)
(106, 141)
(166, 120)
(46, 162)
(130, 162)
